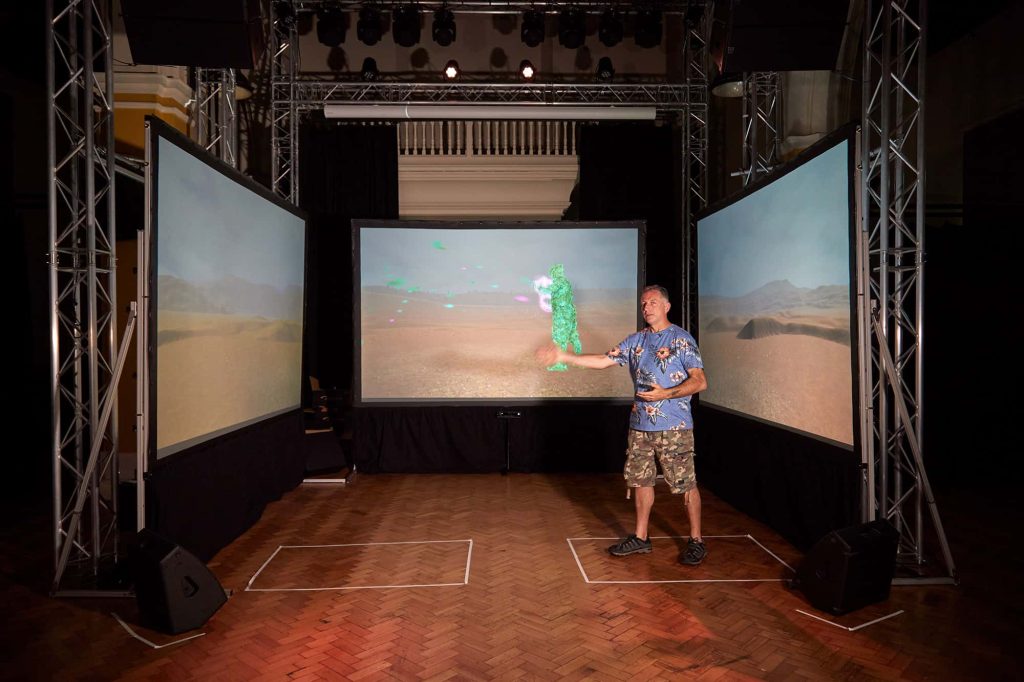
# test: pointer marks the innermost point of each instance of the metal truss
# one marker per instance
(891, 257)
(284, 123)
(80, 165)
(314, 94)
(762, 124)
(694, 127)
(214, 123)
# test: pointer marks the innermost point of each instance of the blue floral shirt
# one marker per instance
(663, 358)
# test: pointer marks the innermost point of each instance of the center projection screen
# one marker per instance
(228, 298)
(774, 304)
(452, 313)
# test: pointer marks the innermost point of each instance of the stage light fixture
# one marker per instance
(532, 32)
(369, 71)
(368, 28)
(405, 25)
(451, 70)
(444, 27)
(572, 30)
(605, 70)
(727, 85)
(648, 28)
(610, 30)
(285, 14)
(330, 25)
(526, 70)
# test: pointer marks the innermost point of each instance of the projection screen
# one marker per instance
(775, 271)
(227, 272)
(453, 312)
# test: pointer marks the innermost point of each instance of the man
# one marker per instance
(667, 369)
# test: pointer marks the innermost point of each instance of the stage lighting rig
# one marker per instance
(405, 25)
(526, 70)
(451, 70)
(369, 72)
(369, 28)
(610, 30)
(532, 32)
(572, 29)
(330, 25)
(444, 27)
(648, 28)
(605, 70)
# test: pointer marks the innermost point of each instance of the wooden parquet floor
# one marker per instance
(526, 611)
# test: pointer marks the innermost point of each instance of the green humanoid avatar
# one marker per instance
(563, 315)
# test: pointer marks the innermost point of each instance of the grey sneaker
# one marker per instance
(630, 544)
(693, 554)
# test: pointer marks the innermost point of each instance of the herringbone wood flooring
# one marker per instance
(526, 612)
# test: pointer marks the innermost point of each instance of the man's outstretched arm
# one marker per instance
(549, 355)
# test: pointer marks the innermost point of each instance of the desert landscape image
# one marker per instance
(222, 365)
(483, 346)
(774, 300)
(229, 300)
(782, 353)
(458, 314)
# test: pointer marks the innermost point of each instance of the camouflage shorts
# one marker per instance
(674, 450)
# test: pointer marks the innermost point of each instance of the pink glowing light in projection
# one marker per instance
(543, 299)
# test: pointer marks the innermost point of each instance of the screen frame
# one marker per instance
(155, 130)
(361, 223)
(850, 134)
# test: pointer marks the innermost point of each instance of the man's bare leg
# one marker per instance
(644, 503)
(691, 498)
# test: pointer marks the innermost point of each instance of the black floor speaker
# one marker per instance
(849, 568)
(174, 590)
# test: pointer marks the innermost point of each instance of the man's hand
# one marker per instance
(548, 355)
(654, 394)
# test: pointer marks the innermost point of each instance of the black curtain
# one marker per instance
(631, 171)
(346, 171)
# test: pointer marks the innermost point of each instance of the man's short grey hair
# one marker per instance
(656, 287)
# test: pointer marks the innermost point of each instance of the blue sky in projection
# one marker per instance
(459, 261)
(796, 229)
(210, 227)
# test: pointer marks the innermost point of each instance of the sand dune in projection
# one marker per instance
(205, 366)
(480, 348)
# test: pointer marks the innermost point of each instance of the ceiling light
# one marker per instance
(648, 28)
(532, 32)
(405, 25)
(571, 28)
(330, 25)
(368, 28)
(444, 27)
(609, 31)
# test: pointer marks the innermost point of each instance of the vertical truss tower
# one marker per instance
(891, 257)
(694, 125)
(762, 124)
(284, 125)
(80, 160)
(214, 115)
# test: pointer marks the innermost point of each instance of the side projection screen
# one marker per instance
(451, 312)
(774, 306)
(227, 298)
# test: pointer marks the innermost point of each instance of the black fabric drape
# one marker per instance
(206, 497)
(345, 172)
(800, 486)
(632, 171)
